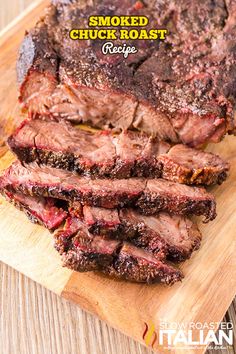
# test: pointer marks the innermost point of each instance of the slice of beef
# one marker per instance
(190, 166)
(98, 154)
(181, 89)
(139, 265)
(90, 253)
(176, 235)
(161, 234)
(102, 154)
(161, 195)
(101, 221)
(43, 211)
(150, 196)
(107, 223)
(85, 252)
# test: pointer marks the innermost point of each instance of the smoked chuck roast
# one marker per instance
(181, 89)
(120, 203)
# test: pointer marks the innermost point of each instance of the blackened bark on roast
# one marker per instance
(85, 252)
(181, 89)
(176, 235)
(138, 265)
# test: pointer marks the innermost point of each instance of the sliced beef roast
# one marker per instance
(102, 154)
(98, 154)
(86, 252)
(186, 165)
(44, 211)
(149, 196)
(138, 235)
(161, 234)
(181, 89)
(140, 260)
(135, 264)
(177, 234)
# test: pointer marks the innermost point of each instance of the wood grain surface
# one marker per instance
(33, 320)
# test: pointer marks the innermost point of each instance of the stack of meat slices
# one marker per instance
(119, 204)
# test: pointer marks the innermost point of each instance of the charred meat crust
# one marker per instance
(175, 235)
(123, 268)
(149, 196)
(128, 268)
(38, 66)
(101, 154)
(151, 204)
(148, 239)
(122, 264)
(83, 252)
(36, 54)
(181, 90)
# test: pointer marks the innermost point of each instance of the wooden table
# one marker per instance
(35, 321)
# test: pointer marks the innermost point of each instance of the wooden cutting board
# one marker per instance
(137, 310)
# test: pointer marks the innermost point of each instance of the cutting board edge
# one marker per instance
(70, 295)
